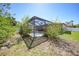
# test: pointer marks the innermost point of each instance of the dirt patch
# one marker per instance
(54, 47)
(64, 47)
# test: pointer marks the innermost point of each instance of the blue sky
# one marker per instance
(49, 11)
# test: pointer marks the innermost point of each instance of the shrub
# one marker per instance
(7, 23)
(24, 28)
(3, 35)
(67, 32)
(53, 30)
(6, 29)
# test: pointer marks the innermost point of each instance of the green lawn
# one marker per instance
(72, 36)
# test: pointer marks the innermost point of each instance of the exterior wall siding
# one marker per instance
(71, 29)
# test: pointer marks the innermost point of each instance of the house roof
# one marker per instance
(35, 17)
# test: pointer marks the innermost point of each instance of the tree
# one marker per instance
(4, 9)
(71, 22)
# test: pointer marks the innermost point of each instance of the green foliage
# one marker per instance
(24, 28)
(6, 29)
(76, 26)
(8, 24)
(3, 35)
(53, 30)
(67, 32)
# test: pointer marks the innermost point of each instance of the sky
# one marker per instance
(64, 12)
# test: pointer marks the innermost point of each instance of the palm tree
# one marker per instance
(72, 22)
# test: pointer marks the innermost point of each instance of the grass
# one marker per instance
(73, 36)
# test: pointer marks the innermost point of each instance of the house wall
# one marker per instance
(71, 29)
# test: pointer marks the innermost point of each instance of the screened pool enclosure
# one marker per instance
(36, 37)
